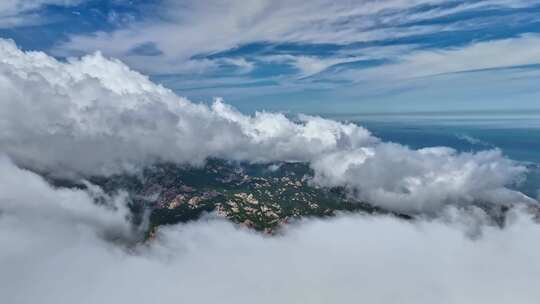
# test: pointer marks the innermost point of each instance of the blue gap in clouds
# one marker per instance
(359, 64)
(443, 39)
(267, 49)
(479, 14)
(491, 24)
(88, 17)
(146, 49)
(183, 83)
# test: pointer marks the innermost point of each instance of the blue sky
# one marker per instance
(316, 56)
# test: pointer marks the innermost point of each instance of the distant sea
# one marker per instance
(517, 134)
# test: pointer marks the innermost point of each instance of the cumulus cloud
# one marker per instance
(424, 180)
(53, 251)
(94, 115)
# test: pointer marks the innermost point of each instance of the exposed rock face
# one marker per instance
(258, 196)
(262, 197)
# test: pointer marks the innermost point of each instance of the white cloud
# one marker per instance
(503, 53)
(311, 65)
(53, 251)
(124, 118)
(96, 116)
(187, 28)
(26, 199)
(424, 180)
(473, 140)
(241, 63)
(23, 12)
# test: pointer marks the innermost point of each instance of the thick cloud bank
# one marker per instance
(94, 115)
(27, 200)
(57, 248)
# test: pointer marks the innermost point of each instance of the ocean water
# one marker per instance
(516, 134)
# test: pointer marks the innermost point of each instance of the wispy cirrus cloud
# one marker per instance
(186, 29)
(15, 13)
(503, 53)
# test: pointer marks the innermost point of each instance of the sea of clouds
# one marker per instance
(94, 115)
(57, 246)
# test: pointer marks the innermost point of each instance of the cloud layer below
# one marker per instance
(57, 247)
